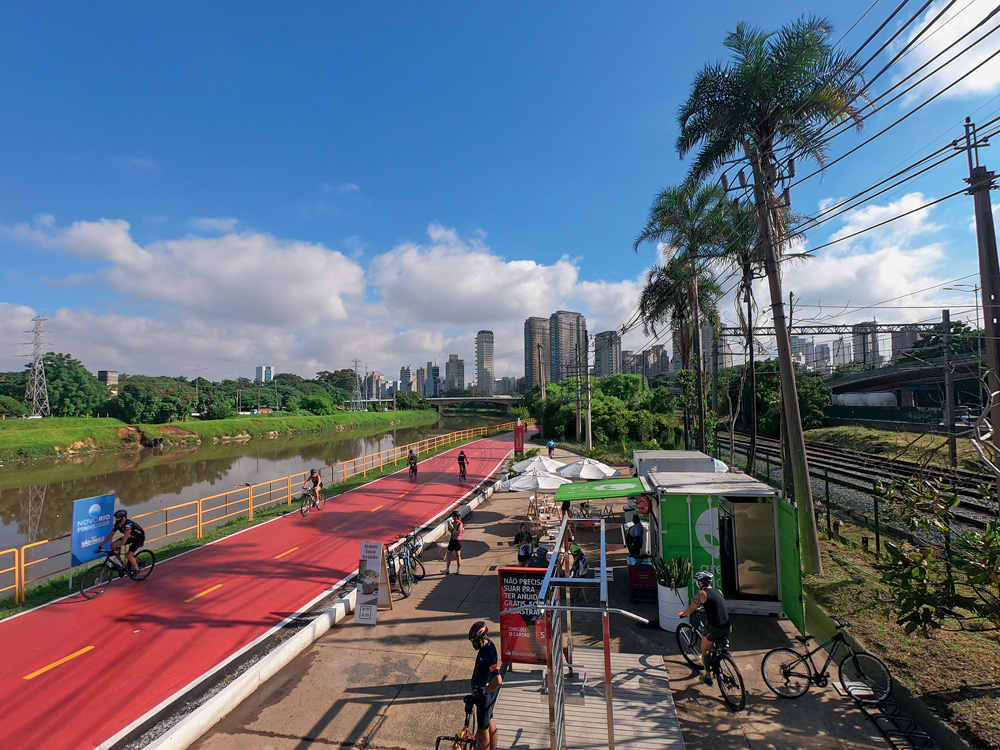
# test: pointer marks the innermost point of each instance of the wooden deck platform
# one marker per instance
(643, 706)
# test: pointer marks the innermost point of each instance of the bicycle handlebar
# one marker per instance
(841, 623)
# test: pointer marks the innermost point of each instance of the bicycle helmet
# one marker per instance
(703, 576)
(312, 472)
(121, 513)
(574, 549)
(477, 634)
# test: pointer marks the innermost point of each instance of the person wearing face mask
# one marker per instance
(486, 682)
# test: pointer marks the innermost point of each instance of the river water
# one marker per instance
(36, 497)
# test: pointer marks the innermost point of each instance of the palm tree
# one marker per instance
(664, 300)
(689, 220)
(776, 95)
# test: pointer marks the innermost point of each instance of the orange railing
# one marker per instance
(195, 516)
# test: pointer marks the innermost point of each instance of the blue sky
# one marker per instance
(303, 184)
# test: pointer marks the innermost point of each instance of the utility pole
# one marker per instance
(541, 382)
(579, 402)
(37, 393)
(980, 183)
(586, 365)
(806, 515)
(949, 389)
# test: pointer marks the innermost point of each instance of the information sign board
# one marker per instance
(370, 569)
(93, 518)
(522, 635)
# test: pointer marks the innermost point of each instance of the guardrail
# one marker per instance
(194, 517)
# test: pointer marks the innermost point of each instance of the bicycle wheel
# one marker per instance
(418, 569)
(727, 674)
(416, 545)
(145, 559)
(689, 643)
(405, 576)
(321, 503)
(786, 672)
(306, 505)
(865, 678)
(95, 580)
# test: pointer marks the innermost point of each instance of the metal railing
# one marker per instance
(194, 517)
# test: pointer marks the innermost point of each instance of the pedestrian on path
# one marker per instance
(634, 536)
(455, 527)
(486, 682)
(524, 544)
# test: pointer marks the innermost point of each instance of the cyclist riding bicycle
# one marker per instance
(317, 484)
(717, 625)
(411, 459)
(461, 465)
(132, 538)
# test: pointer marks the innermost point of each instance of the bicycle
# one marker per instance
(465, 739)
(720, 661)
(414, 544)
(96, 579)
(307, 502)
(413, 469)
(462, 475)
(789, 673)
(399, 564)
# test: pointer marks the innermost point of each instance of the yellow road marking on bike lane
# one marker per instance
(375, 508)
(338, 526)
(206, 591)
(55, 664)
(286, 552)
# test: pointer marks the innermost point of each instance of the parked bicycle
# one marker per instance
(415, 546)
(465, 739)
(720, 661)
(789, 673)
(307, 502)
(402, 567)
(96, 579)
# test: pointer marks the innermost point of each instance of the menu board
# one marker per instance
(522, 635)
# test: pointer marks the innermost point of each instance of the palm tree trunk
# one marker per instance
(808, 532)
(752, 406)
(699, 354)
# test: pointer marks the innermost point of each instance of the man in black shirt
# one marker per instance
(717, 625)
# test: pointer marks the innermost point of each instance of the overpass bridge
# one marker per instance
(505, 402)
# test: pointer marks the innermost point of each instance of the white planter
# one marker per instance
(669, 603)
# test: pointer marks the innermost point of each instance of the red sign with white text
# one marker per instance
(522, 635)
(519, 439)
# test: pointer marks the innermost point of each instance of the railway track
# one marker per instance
(859, 472)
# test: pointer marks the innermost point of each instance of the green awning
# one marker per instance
(600, 489)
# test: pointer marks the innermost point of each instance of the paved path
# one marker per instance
(78, 671)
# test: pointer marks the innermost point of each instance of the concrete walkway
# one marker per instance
(399, 685)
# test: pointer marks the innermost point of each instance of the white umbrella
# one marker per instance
(533, 481)
(587, 468)
(536, 462)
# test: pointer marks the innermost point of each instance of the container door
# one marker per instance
(791, 566)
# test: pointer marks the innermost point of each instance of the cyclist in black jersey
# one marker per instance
(132, 537)
(461, 465)
(316, 480)
(717, 625)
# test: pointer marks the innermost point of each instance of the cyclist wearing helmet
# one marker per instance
(717, 625)
(132, 535)
(486, 682)
(580, 568)
(317, 484)
(461, 465)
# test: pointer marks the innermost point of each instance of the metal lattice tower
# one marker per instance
(357, 399)
(36, 393)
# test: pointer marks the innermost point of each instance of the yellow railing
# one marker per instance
(195, 516)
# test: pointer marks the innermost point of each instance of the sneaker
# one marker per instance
(445, 571)
(706, 679)
(458, 571)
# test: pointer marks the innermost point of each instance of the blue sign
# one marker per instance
(93, 518)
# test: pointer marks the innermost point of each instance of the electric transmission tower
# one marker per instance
(357, 400)
(36, 393)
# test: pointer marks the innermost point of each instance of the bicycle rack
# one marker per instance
(899, 730)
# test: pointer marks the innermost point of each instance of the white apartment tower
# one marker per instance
(484, 363)
(536, 352)
(567, 344)
(264, 373)
(607, 353)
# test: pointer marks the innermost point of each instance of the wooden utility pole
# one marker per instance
(586, 367)
(949, 389)
(808, 531)
(541, 382)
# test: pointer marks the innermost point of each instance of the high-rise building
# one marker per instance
(484, 363)
(374, 384)
(505, 385)
(432, 385)
(865, 340)
(264, 373)
(536, 352)
(629, 362)
(407, 379)
(454, 373)
(607, 353)
(903, 341)
(822, 357)
(840, 352)
(802, 351)
(567, 344)
(421, 380)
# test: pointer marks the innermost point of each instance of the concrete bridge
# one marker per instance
(505, 402)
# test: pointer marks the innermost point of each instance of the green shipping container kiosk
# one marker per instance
(737, 528)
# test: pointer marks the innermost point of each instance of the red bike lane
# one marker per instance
(78, 671)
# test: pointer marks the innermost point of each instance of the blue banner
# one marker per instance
(93, 518)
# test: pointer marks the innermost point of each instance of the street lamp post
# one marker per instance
(975, 291)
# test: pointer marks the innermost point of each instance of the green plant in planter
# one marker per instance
(674, 573)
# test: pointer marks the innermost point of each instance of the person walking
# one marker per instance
(525, 545)
(551, 445)
(455, 528)
(486, 682)
(634, 536)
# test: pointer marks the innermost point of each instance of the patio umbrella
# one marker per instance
(587, 468)
(532, 481)
(536, 462)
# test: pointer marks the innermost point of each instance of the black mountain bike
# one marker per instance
(96, 579)
(400, 565)
(462, 475)
(465, 739)
(307, 503)
(720, 661)
(413, 469)
(789, 673)
(414, 544)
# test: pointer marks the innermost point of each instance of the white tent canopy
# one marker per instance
(587, 468)
(536, 462)
(532, 481)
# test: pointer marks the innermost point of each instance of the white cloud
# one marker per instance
(956, 23)
(134, 163)
(209, 224)
(895, 233)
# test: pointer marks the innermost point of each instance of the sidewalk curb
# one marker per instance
(189, 729)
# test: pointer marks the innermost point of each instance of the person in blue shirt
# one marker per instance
(486, 682)
(551, 445)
